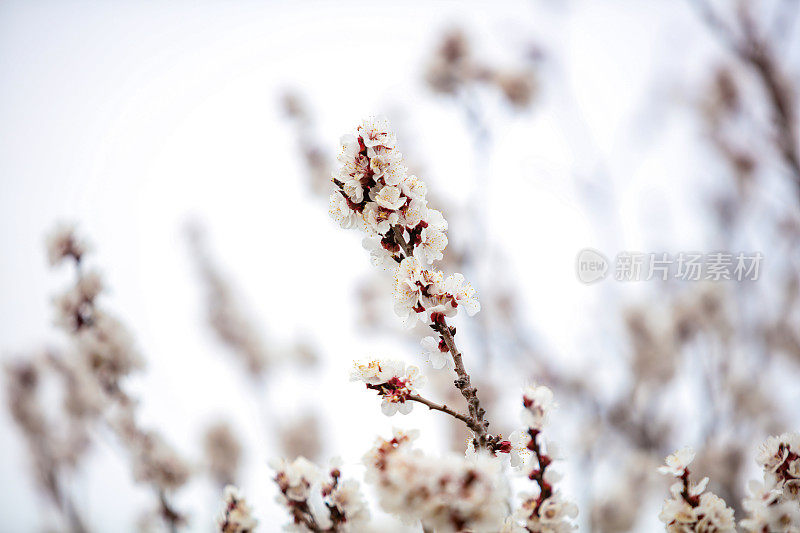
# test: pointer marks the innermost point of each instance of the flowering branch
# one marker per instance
(452, 493)
(50, 456)
(756, 53)
(106, 356)
(346, 506)
(774, 504)
(236, 515)
(546, 511)
(690, 508)
(375, 192)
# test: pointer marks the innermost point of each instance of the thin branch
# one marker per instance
(168, 513)
(754, 52)
(464, 385)
(470, 422)
(397, 231)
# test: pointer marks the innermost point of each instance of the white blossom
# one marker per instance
(379, 220)
(300, 480)
(348, 500)
(446, 494)
(537, 402)
(341, 212)
(390, 198)
(414, 213)
(775, 450)
(432, 244)
(376, 131)
(690, 508)
(415, 188)
(63, 242)
(553, 515)
(463, 293)
(437, 352)
(393, 381)
(774, 504)
(295, 479)
(154, 460)
(677, 462)
(520, 453)
(236, 516)
(378, 255)
(407, 288)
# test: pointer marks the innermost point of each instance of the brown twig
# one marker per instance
(172, 518)
(754, 52)
(469, 421)
(538, 474)
(463, 384)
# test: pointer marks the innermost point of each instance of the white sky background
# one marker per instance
(131, 118)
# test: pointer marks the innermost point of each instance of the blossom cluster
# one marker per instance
(453, 68)
(64, 243)
(393, 381)
(774, 504)
(689, 507)
(103, 355)
(546, 510)
(228, 317)
(446, 494)
(102, 341)
(236, 516)
(301, 482)
(375, 192)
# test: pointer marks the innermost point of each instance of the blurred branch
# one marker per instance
(757, 53)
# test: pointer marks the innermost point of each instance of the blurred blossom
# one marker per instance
(223, 453)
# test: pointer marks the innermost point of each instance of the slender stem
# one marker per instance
(62, 499)
(76, 523)
(397, 231)
(463, 383)
(538, 475)
(469, 421)
(170, 515)
(755, 53)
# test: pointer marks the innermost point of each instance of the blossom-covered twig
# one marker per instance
(774, 504)
(106, 356)
(300, 481)
(690, 508)
(545, 511)
(375, 193)
(236, 516)
(238, 331)
(49, 454)
(224, 313)
(446, 494)
(397, 384)
(453, 67)
(758, 54)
